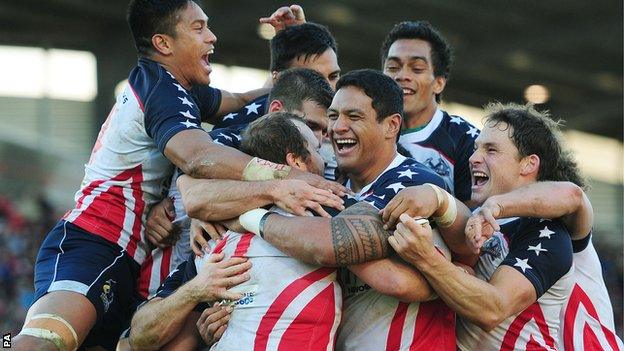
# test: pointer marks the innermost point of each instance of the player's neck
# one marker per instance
(171, 68)
(370, 173)
(420, 118)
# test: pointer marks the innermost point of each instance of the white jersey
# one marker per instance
(588, 316)
(542, 252)
(127, 172)
(372, 321)
(288, 304)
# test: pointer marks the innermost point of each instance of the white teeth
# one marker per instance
(346, 141)
(479, 174)
(407, 91)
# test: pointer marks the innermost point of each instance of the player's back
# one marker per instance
(288, 304)
(587, 318)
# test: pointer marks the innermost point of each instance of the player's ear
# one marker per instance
(392, 125)
(295, 161)
(530, 165)
(439, 83)
(162, 44)
(275, 106)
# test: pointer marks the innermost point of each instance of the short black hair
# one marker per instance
(149, 17)
(534, 132)
(386, 94)
(273, 136)
(307, 40)
(298, 85)
(441, 50)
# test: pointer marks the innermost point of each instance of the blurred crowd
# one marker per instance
(20, 238)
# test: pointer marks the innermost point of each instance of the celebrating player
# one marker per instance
(87, 266)
(524, 272)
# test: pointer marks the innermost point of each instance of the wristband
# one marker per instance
(438, 193)
(259, 169)
(253, 220)
(448, 218)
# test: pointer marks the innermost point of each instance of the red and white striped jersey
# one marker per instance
(127, 172)
(541, 250)
(588, 316)
(288, 304)
(376, 322)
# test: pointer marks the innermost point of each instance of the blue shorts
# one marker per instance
(71, 259)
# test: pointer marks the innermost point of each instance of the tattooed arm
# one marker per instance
(355, 235)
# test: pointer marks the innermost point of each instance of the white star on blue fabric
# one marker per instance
(546, 233)
(537, 249)
(408, 173)
(185, 101)
(396, 187)
(382, 197)
(187, 114)
(229, 116)
(238, 137)
(253, 107)
(189, 124)
(456, 120)
(225, 136)
(170, 75)
(523, 264)
(473, 132)
(180, 88)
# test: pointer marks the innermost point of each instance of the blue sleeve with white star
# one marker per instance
(230, 136)
(541, 250)
(245, 115)
(168, 108)
(208, 99)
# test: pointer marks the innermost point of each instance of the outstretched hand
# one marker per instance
(285, 16)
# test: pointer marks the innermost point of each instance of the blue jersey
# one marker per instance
(541, 251)
(127, 172)
(257, 108)
(445, 145)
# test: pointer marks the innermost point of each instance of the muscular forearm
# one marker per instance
(356, 235)
(393, 277)
(220, 199)
(150, 331)
(472, 298)
(548, 200)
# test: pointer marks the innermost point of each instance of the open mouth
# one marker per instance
(408, 91)
(205, 60)
(479, 178)
(345, 145)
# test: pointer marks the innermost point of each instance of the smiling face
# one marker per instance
(409, 63)
(357, 137)
(190, 48)
(496, 165)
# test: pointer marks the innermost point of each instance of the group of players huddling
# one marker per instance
(322, 212)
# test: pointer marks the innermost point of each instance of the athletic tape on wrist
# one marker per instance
(448, 218)
(259, 169)
(438, 193)
(251, 219)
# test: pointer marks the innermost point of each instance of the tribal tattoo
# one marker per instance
(358, 235)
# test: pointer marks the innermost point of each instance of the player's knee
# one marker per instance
(48, 331)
